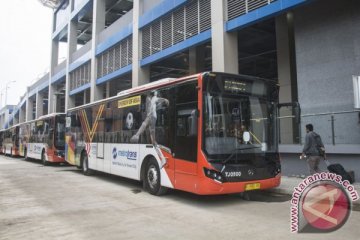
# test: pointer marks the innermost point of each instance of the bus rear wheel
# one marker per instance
(153, 179)
(43, 160)
(85, 166)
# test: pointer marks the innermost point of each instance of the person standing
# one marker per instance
(313, 149)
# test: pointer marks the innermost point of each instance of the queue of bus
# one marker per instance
(42, 139)
(209, 133)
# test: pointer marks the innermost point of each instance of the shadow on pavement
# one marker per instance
(135, 187)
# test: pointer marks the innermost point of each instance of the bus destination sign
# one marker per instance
(236, 86)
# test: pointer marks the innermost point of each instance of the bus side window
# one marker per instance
(163, 110)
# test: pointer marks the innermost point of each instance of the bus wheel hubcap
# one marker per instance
(152, 176)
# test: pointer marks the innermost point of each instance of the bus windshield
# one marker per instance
(237, 122)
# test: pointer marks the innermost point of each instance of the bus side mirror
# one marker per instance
(193, 122)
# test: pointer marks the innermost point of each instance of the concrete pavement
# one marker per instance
(289, 183)
(58, 202)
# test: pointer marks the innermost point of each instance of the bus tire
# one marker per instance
(43, 160)
(85, 165)
(152, 179)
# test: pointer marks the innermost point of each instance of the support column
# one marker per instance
(107, 89)
(22, 115)
(84, 97)
(72, 47)
(140, 75)
(54, 55)
(29, 109)
(39, 105)
(196, 59)
(99, 12)
(286, 76)
(224, 44)
(16, 120)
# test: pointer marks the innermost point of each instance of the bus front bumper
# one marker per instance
(209, 186)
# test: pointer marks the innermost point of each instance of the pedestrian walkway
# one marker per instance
(289, 183)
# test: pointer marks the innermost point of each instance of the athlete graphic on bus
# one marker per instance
(153, 103)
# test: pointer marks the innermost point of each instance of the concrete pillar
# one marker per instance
(196, 59)
(84, 97)
(72, 47)
(54, 55)
(22, 114)
(107, 89)
(286, 76)
(16, 119)
(224, 45)
(140, 75)
(29, 109)
(99, 12)
(39, 105)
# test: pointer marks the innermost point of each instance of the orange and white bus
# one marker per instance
(10, 143)
(210, 133)
(44, 138)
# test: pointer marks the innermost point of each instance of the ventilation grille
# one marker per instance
(80, 76)
(115, 58)
(236, 8)
(182, 24)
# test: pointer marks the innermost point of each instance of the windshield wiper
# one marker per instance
(235, 151)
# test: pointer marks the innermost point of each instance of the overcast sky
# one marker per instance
(25, 37)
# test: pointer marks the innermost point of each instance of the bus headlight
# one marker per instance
(216, 176)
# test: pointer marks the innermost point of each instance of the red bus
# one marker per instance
(10, 143)
(210, 133)
(44, 138)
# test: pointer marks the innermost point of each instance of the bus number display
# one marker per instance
(236, 86)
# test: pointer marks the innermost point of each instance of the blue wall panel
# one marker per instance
(158, 11)
(57, 77)
(81, 9)
(80, 89)
(267, 11)
(80, 61)
(193, 41)
(117, 37)
(115, 74)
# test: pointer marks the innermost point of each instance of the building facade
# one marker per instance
(310, 47)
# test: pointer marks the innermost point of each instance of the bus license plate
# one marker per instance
(252, 186)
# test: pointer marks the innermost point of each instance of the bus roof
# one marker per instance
(40, 118)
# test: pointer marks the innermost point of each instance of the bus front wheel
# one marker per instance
(85, 166)
(153, 180)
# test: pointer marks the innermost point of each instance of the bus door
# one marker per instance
(100, 146)
(185, 149)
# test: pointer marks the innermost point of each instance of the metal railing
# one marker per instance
(333, 127)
